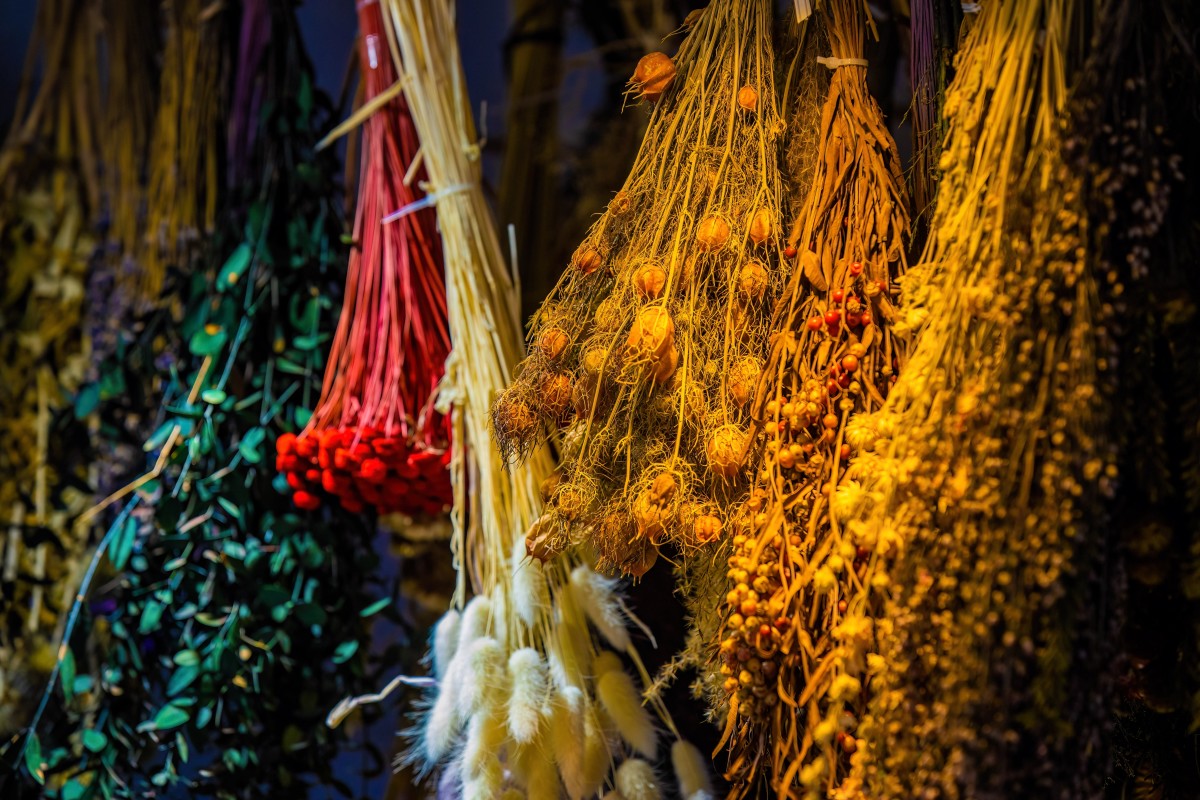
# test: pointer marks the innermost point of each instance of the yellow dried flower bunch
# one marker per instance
(646, 354)
(793, 653)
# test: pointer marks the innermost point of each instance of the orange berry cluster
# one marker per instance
(364, 467)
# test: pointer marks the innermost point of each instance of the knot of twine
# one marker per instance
(833, 63)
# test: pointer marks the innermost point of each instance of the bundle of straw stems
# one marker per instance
(526, 635)
(988, 470)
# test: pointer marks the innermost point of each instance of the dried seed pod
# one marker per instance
(550, 485)
(569, 501)
(649, 281)
(761, 226)
(653, 75)
(587, 260)
(620, 204)
(543, 541)
(593, 361)
(513, 420)
(663, 488)
(752, 281)
(652, 334)
(713, 233)
(747, 98)
(553, 343)
(650, 517)
(664, 370)
(555, 396)
(706, 528)
(743, 380)
(724, 450)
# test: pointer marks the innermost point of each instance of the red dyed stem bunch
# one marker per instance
(375, 439)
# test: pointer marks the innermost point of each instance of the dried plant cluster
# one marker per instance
(792, 655)
(647, 353)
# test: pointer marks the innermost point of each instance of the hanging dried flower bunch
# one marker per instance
(792, 652)
(982, 481)
(646, 354)
(375, 439)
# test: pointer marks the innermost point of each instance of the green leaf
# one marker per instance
(87, 400)
(251, 445)
(151, 616)
(72, 790)
(159, 437)
(169, 716)
(230, 507)
(311, 614)
(203, 716)
(304, 97)
(235, 267)
(213, 396)
(181, 747)
(94, 740)
(376, 607)
(122, 543)
(187, 658)
(208, 341)
(66, 672)
(82, 684)
(33, 758)
(345, 651)
(291, 367)
(182, 678)
(303, 415)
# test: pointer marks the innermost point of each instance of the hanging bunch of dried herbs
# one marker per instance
(232, 622)
(647, 353)
(792, 653)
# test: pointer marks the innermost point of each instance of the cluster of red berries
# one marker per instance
(364, 467)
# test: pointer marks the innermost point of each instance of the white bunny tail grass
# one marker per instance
(569, 655)
(612, 795)
(445, 641)
(512, 793)
(635, 780)
(443, 720)
(621, 700)
(691, 769)
(482, 676)
(701, 795)
(541, 778)
(476, 620)
(527, 673)
(597, 756)
(606, 661)
(567, 738)
(449, 785)
(481, 764)
(597, 596)
(531, 595)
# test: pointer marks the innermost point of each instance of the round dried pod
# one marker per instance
(664, 370)
(513, 420)
(570, 501)
(544, 542)
(747, 98)
(553, 343)
(620, 203)
(752, 281)
(652, 334)
(610, 315)
(713, 233)
(640, 559)
(743, 380)
(653, 75)
(761, 226)
(650, 517)
(724, 450)
(587, 260)
(593, 360)
(550, 485)
(649, 281)
(663, 487)
(555, 396)
(706, 528)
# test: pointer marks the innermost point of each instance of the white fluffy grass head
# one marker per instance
(527, 676)
(476, 620)
(691, 769)
(481, 679)
(445, 641)
(598, 598)
(635, 780)
(531, 595)
(569, 655)
(621, 700)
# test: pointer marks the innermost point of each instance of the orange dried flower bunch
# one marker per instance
(375, 439)
(645, 356)
(792, 656)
